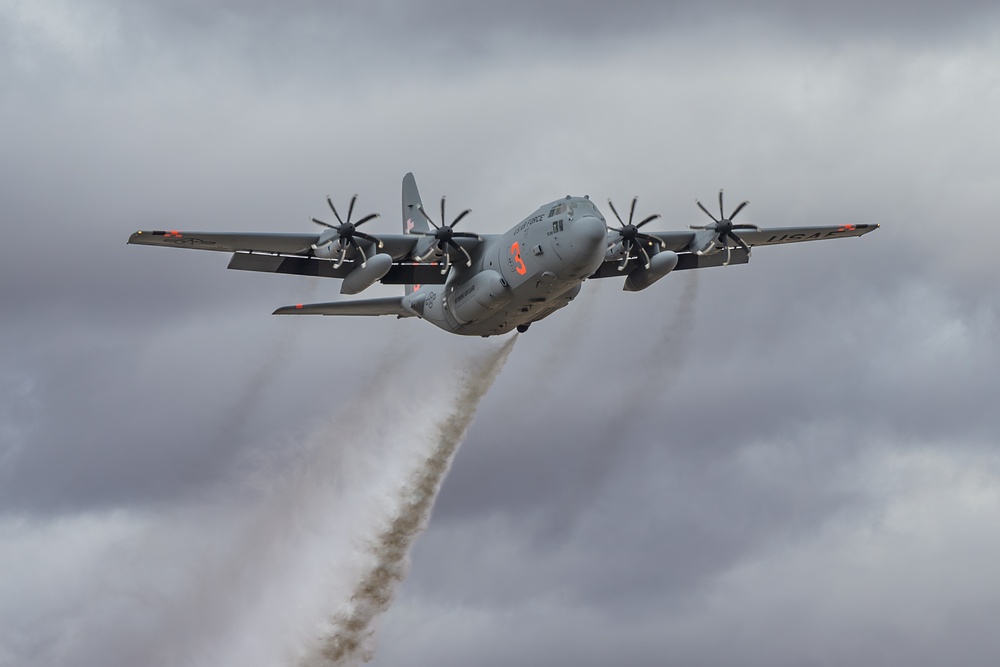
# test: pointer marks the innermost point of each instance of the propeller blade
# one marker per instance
(622, 264)
(729, 253)
(364, 257)
(466, 235)
(428, 218)
(334, 209)
(702, 207)
(460, 216)
(367, 218)
(631, 212)
(343, 254)
(468, 258)
(740, 242)
(722, 213)
(442, 211)
(647, 220)
(350, 208)
(616, 213)
(447, 261)
(649, 239)
(369, 237)
(738, 209)
(747, 226)
(644, 254)
(324, 224)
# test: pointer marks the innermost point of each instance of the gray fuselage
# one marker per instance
(521, 276)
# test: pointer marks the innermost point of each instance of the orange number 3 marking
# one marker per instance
(518, 262)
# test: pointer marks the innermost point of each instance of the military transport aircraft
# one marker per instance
(489, 284)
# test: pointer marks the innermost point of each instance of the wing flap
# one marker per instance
(359, 307)
(687, 260)
(399, 274)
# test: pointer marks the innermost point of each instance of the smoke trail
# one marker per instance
(658, 372)
(671, 346)
(352, 629)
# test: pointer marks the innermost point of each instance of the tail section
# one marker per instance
(412, 220)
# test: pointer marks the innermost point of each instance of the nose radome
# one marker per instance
(589, 239)
(587, 232)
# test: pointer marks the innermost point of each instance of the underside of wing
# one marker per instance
(359, 307)
(781, 235)
(396, 245)
(297, 254)
(684, 241)
(400, 274)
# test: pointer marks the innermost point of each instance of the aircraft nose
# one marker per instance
(589, 238)
(588, 232)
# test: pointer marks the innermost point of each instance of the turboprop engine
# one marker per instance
(338, 239)
(329, 245)
(715, 237)
(659, 265)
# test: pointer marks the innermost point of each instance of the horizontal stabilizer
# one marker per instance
(392, 305)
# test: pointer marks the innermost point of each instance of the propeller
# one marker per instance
(346, 232)
(446, 235)
(723, 227)
(632, 238)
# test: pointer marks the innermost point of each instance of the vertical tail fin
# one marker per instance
(412, 220)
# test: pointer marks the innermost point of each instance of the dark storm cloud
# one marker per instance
(432, 21)
(818, 440)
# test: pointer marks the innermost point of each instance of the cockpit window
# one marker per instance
(586, 207)
(558, 210)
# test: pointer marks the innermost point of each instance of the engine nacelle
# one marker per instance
(660, 265)
(486, 291)
(362, 277)
(426, 250)
(328, 248)
(704, 242)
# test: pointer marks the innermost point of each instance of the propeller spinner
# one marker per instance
(346, 233)
(723, 226)
(445, 235)
(632, 238)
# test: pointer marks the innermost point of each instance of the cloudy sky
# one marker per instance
(790, 462)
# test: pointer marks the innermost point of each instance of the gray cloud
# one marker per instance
(806, 468)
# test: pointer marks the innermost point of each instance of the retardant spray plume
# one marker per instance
(349, 637)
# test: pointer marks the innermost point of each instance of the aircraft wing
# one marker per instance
(397, 245)
(682, 240)
(292, 253)
(392, 305)
(683, 243)
(781, 235)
